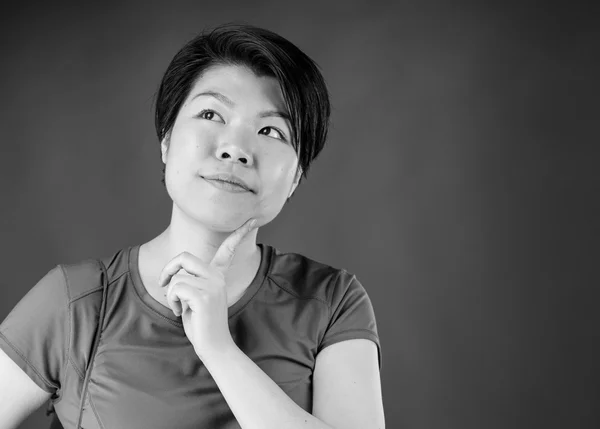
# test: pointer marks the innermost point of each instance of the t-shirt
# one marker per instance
(146, 373)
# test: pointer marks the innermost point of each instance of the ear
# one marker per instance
(164, 147)
(296, 180)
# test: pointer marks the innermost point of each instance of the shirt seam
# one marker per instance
(96, 289)
(330, 299)
(67, 356)
(79, 371)
(370, 331)
(94, 410)
(295, 295)
(330, 310)
(108, 309)
(76, 368)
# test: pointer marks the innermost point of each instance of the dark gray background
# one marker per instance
(460, 181)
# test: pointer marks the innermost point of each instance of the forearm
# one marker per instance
(256, 401)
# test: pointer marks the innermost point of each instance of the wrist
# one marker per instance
(217, 354)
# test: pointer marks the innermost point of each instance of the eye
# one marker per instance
(210, 115)
(273, 132)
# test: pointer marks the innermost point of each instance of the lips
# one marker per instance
(230, 178)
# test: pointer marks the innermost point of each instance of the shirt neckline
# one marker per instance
(266, 252)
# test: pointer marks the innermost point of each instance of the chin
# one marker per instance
(222, 214)
(218, 220)
(224, 226)
(230, 221)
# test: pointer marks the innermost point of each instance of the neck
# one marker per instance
(187, 235)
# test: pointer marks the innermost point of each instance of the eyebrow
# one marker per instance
(226, 100)
(216, 95)
(275, 113)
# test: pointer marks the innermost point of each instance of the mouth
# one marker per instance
(227, 185)
(227, 181)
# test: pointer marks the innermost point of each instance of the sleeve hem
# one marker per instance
(353, 334)
(19, 358)
(67, 352)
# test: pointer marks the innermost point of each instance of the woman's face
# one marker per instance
(231, 122)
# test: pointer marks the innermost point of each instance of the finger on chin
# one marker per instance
(225, 253)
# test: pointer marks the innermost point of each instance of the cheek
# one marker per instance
(188, 146)
(277, 183)
(283, 166)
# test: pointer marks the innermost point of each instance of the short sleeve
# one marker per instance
(351, 314)
(34, 334)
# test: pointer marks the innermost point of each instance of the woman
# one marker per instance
(205, 328)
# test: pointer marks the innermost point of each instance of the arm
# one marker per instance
(347, 393)
(19, 395)
(33, 341)
(347, 386)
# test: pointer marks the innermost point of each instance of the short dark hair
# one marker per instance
(266, 54)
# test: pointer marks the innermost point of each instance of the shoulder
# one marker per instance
(87, 276)
(309, 278)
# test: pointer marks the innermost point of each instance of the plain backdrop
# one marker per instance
(459, 183)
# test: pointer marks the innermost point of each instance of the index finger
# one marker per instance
(226, 251)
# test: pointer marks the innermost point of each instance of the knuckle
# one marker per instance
(228, 250)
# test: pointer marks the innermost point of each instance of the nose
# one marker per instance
(234, 148)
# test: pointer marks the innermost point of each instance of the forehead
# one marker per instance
(241, 85)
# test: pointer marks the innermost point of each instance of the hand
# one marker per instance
(198, 293)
